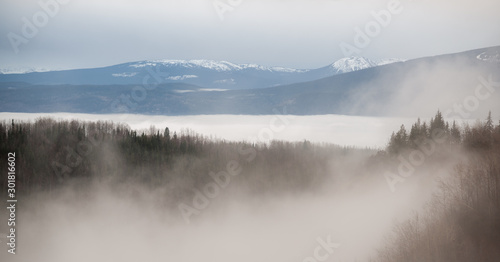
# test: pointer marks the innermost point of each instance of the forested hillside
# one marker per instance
(55, 153)
(462, 221)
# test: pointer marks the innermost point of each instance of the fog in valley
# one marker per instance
(130, 224)
(117, 193)
(250, 131)
(341, 130)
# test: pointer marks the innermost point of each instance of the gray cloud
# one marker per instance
(300, 33)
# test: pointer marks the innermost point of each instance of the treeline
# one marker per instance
(53, 153)
(462, 222)
(482, 135)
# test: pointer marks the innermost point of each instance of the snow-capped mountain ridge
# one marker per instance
(177, 89)
(219, 66)
(342, 65)
(208, 64)
(355, 63)
(22, 70)
(350, 64)
(199, 72)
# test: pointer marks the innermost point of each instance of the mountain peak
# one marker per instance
(355, 63)
(350, 64)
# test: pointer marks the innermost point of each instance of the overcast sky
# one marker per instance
(292, 33)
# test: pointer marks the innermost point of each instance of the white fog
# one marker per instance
(342, 130)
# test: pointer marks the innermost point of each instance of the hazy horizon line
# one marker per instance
(45, 69)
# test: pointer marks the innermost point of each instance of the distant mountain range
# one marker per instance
(22, 70)
(204, 73)
(352, 86)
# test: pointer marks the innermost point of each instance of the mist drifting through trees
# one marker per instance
(106, 191)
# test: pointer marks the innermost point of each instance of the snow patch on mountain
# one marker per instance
(386, 61)
(22, 70)
(288, 70)
(491, 56)
(354, 63)
(207, 64)
(212, 89)
(350, 64)
(125, 74)
(226, 81)
(181, 91)
(184, 91)
(219, 66)
(182, 77)
(271, 69)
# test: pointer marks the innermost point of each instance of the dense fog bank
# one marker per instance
(103, 191)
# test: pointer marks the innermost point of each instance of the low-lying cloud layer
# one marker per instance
(129, 224)
(337, 129)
